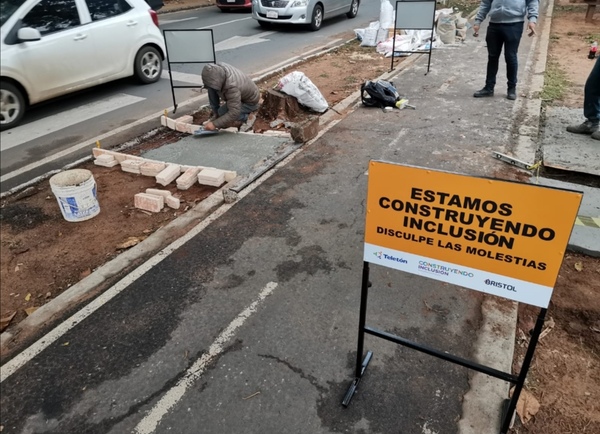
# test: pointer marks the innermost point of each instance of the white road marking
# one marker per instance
(161, 22)
(25, 133)
(223, 24)
(150, 422)
(183, 77)
(44, 342)
(241, 41)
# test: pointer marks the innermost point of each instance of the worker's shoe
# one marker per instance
(483, 93)
(511, 93)
(588, 127)
(596, 135)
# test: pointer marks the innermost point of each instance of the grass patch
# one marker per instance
(555, 83)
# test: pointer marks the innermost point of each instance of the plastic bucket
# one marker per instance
(75, 191)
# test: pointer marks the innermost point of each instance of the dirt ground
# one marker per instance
(42, 255)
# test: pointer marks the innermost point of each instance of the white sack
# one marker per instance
(299, 86)
(386, 15)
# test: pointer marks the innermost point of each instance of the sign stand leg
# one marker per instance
(523, 373)
(361, 364)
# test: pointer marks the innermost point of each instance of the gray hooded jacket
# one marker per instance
(508, 11)
(233, 86)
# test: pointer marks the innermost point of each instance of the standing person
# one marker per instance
(505, 29)
(591, 106)
(237, 90)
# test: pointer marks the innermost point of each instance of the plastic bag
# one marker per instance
(386, 15)
(369, 37)
(299, 86)
(446, 28)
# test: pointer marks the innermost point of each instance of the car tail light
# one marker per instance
(154, 16)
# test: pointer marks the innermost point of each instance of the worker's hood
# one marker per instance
(214, 76)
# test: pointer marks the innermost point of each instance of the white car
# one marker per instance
(310, 12)
(54, 47)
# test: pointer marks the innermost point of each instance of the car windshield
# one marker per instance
(7, 8)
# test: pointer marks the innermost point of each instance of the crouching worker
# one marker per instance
(238, 92)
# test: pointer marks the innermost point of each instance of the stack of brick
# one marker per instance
(183, 124)
(168, 174)
(150, 168)
(131, 166)
(212, 177)
(189, 178)
(106, 161)
(154, 200)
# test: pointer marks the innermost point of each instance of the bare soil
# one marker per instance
(42, 255)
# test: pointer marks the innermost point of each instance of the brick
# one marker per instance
(187, 119)
(150, 168)
(191, 128)
(163, 120)
(171, 123)
(189, 178)
(131, 166)
(212, 177)
(158, 192)
(173, 202)
(304, 131)
(106, 163)
(181, 127)
(169, 174)
(149, 202)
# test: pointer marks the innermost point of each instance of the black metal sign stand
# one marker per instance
(362, 364)
(410, 27)
(180, 61)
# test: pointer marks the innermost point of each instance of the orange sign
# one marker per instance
(505, 228)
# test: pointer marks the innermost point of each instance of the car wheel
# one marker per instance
(12, 105)
(317, 18)
(353, 9)
(148, 65)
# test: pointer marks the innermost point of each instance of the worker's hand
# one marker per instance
(530, 29)
(476, 30)
(210, 127)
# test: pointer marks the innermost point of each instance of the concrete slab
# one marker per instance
(585, 237)
(228, 151)
(567, 151)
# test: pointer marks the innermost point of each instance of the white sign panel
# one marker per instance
(416, 15)
(185, 46)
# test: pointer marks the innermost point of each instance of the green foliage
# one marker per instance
(555, 83)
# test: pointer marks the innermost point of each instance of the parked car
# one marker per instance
(311, 12)
(230, 5)
(53, 47)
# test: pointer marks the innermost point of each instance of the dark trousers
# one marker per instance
(509, 36)
(219, 110)
(591, 95)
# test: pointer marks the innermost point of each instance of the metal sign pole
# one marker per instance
(523, 373)
(361, 365)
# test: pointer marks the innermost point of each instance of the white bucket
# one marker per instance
(75, 191)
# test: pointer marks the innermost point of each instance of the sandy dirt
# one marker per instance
(42, 254)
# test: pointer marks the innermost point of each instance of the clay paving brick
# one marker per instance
(212, 177)
(149, 202)
(169, 174)
(150, 168)
(173, 202)
(158, 192)
(188, 178)
(106, 161)
(131, 166)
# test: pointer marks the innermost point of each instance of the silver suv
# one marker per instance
(311, 12)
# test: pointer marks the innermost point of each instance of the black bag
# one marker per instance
(379, 93)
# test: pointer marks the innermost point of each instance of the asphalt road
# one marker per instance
(58, 132)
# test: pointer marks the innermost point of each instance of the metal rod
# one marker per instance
(364, 294)
(354, 385)
(442, 355)
(523, 373)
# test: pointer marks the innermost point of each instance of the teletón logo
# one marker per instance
(381, 255)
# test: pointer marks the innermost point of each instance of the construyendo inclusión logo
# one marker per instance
(500, 285)
(381, 255)
(432, 267)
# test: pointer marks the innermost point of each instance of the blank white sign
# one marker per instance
(415, 15)
(190, 46)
